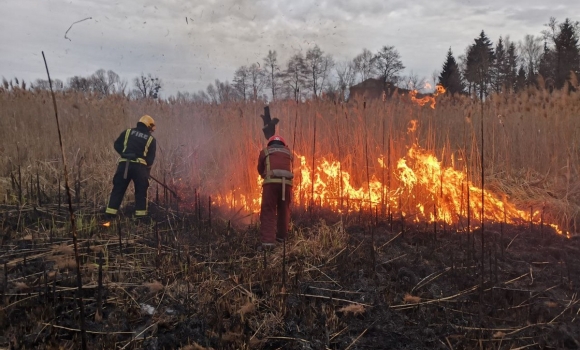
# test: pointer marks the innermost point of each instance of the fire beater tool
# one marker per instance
(164, 186)
(269, 128)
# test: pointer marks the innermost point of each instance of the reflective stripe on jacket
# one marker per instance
(137, 141)
(275, 165)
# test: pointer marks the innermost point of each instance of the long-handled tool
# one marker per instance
(269, 128)
(164, 186)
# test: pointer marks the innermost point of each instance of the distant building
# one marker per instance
(377, 89)
(369, 89)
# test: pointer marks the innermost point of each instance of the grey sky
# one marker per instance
(131, 37)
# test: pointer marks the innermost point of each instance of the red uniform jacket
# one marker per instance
(280, 158)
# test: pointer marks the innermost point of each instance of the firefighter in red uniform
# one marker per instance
(275, 167)
(137, 148)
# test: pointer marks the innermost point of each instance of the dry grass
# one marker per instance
(530, 141)
(247, 308)
(65, 263)
(64, 249)
(195, 346)
(154, 286)
(408, 298)
(355, 309)
(21, 286)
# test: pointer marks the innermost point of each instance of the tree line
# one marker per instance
(310, 75)
(100, 83)
(551, 58)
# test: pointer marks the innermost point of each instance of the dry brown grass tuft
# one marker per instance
(499, 334)
(21, 286)
(97, 249)
(355, 309)
(98, 317)
(63, 249)
(195, 346)
(411, 299)
(154, 286)
(255, 343)
(231, 337)
(65, 263)
(247, 308)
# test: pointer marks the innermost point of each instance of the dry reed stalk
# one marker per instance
(72, 219)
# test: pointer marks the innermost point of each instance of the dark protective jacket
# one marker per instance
(137, 141)
(274, 162)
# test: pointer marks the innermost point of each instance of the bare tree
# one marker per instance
(389, 64)
(271, 63)
(242, 82)
(181, 97)
(107, 82)
(413, 82)
(43, 84)
(365, 65)
(200, 97)
(212, 93)
(80, 84)
(316, 68)
(147, 86)
(116, 84)
(225, 91)
(435, 75)
(531, 51)
(100, 83)
(327, 65)
(346, 74)
(295, 75)
(257, 78)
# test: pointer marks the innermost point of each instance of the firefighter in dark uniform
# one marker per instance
(137, 148)
(275, 167)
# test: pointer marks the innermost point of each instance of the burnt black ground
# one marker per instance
(208, 274)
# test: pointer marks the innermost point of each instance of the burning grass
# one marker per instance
(397, 156)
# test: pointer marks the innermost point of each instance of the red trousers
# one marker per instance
(275, 213)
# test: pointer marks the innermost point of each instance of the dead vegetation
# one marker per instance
(341, 282)
(369, 278)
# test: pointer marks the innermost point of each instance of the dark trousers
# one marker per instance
(274, 213)
(139, 174)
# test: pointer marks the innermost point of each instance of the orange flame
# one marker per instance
(421, 188)
(107, 224)
(412, 126)
(439, 90)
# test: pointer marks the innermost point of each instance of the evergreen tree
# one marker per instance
(511, 67)
(450, 77)
(521, 80)
(567, 52)
(480, 60)
(499, 70)
(547, 66)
